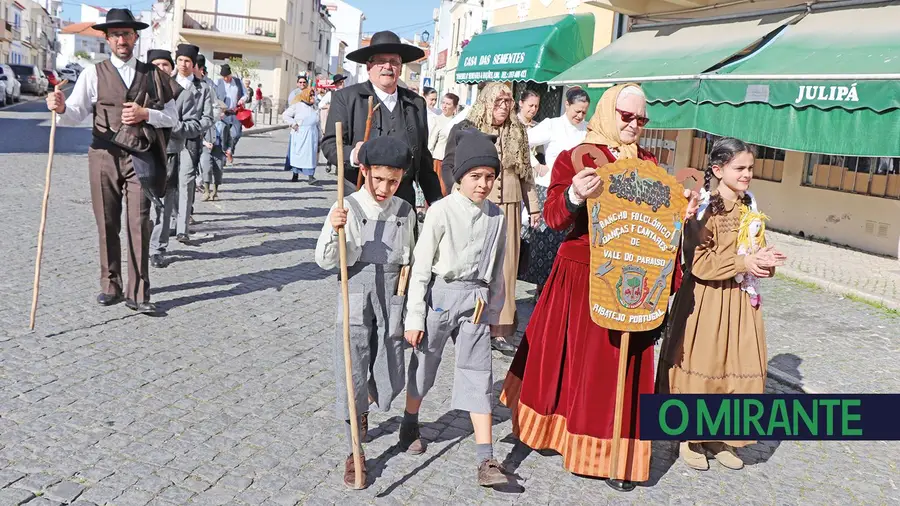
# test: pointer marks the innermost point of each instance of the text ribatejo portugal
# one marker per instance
(635, 231)
(870, 417)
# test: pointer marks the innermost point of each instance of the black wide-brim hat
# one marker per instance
(120, 18)
(386, 42)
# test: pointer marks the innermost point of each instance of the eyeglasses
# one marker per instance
(388, 61)
(120, 35)
(628, 117)
(500, 102)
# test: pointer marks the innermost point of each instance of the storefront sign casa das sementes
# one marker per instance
(498, 59)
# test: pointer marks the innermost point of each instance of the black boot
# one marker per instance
(295, 178)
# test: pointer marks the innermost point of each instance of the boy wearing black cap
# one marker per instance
(179, 164)
(380, 238)
(456, 290)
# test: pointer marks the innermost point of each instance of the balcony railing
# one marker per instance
(230, 24)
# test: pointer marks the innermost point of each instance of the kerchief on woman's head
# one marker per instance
(305, 96)
(603, 127)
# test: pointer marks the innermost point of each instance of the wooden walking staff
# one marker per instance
(369, 116)
(345, 300)
(620, 405)
(44, 205)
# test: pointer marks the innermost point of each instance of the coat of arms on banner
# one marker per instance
(635, 232)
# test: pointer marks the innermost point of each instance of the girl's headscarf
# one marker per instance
(512, 142)
(305, 96)
(603, 127)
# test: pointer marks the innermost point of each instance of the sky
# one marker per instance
(405, 17)
(72, 8)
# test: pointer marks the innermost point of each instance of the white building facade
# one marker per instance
(347, 21)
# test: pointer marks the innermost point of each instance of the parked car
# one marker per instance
(76, 67)
(2, 93)
(32, 79)
(13, 86)
(70, 74)
(52, 78)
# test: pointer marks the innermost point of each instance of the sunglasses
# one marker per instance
(628, 117)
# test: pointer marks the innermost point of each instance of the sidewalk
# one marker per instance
(843, 271)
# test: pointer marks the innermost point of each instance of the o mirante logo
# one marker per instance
(770, 417)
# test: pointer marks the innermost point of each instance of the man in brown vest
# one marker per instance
(132, 104)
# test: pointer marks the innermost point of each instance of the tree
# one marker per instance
(82, 55)
(244, 68)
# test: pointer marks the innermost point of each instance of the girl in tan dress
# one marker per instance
(716, 342)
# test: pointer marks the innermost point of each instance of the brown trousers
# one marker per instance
(112, 176)
(508, 317)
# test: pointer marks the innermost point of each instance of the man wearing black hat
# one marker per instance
(133, 103)
(200, 76)
(230, 91)
(402, 114)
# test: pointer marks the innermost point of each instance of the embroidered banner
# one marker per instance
(635, 230)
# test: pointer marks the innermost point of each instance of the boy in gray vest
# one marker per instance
(456, 291)
(380, 238)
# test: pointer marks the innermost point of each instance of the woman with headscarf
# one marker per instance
(304, 122)
(492, 114)
(561, 386)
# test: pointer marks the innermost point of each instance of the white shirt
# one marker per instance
(388, 99)
(556, 135)
(325, 102)
(185, 82)
(450, 246)
(327, 245)
(80, 103)
(438, 131)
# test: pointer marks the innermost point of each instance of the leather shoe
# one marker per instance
(105, 299)
(141, 307)
(183, 238)
(411, 441)
(491, 474)
(158, 261)
(502, 345)
(350, 472)
(621, 485)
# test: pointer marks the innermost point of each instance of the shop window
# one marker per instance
(551, 98)
(878, 176)
(769, 164)
(662, 144)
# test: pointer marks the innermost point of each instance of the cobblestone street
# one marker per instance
(228, 398)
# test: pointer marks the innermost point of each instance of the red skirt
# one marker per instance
(561, 386)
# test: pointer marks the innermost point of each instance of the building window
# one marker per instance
(769, 164)
(878, 177)
(320, 42)
(290, 12)
(226, 56)
(662, 144)
(102, 48)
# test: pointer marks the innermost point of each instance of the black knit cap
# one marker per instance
(200, 61)
(386, 151)
(189, 50)
(475, 149)
(225, 70)
(160, 54)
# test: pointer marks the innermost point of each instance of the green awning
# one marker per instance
(823, 85)
(535, 50)
(671, 55)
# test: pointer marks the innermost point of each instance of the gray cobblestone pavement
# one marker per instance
(841, 270)
(228, 399)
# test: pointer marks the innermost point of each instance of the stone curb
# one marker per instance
(264, 129)
(837, 288)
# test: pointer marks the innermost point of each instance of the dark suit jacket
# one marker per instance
(350, 106)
